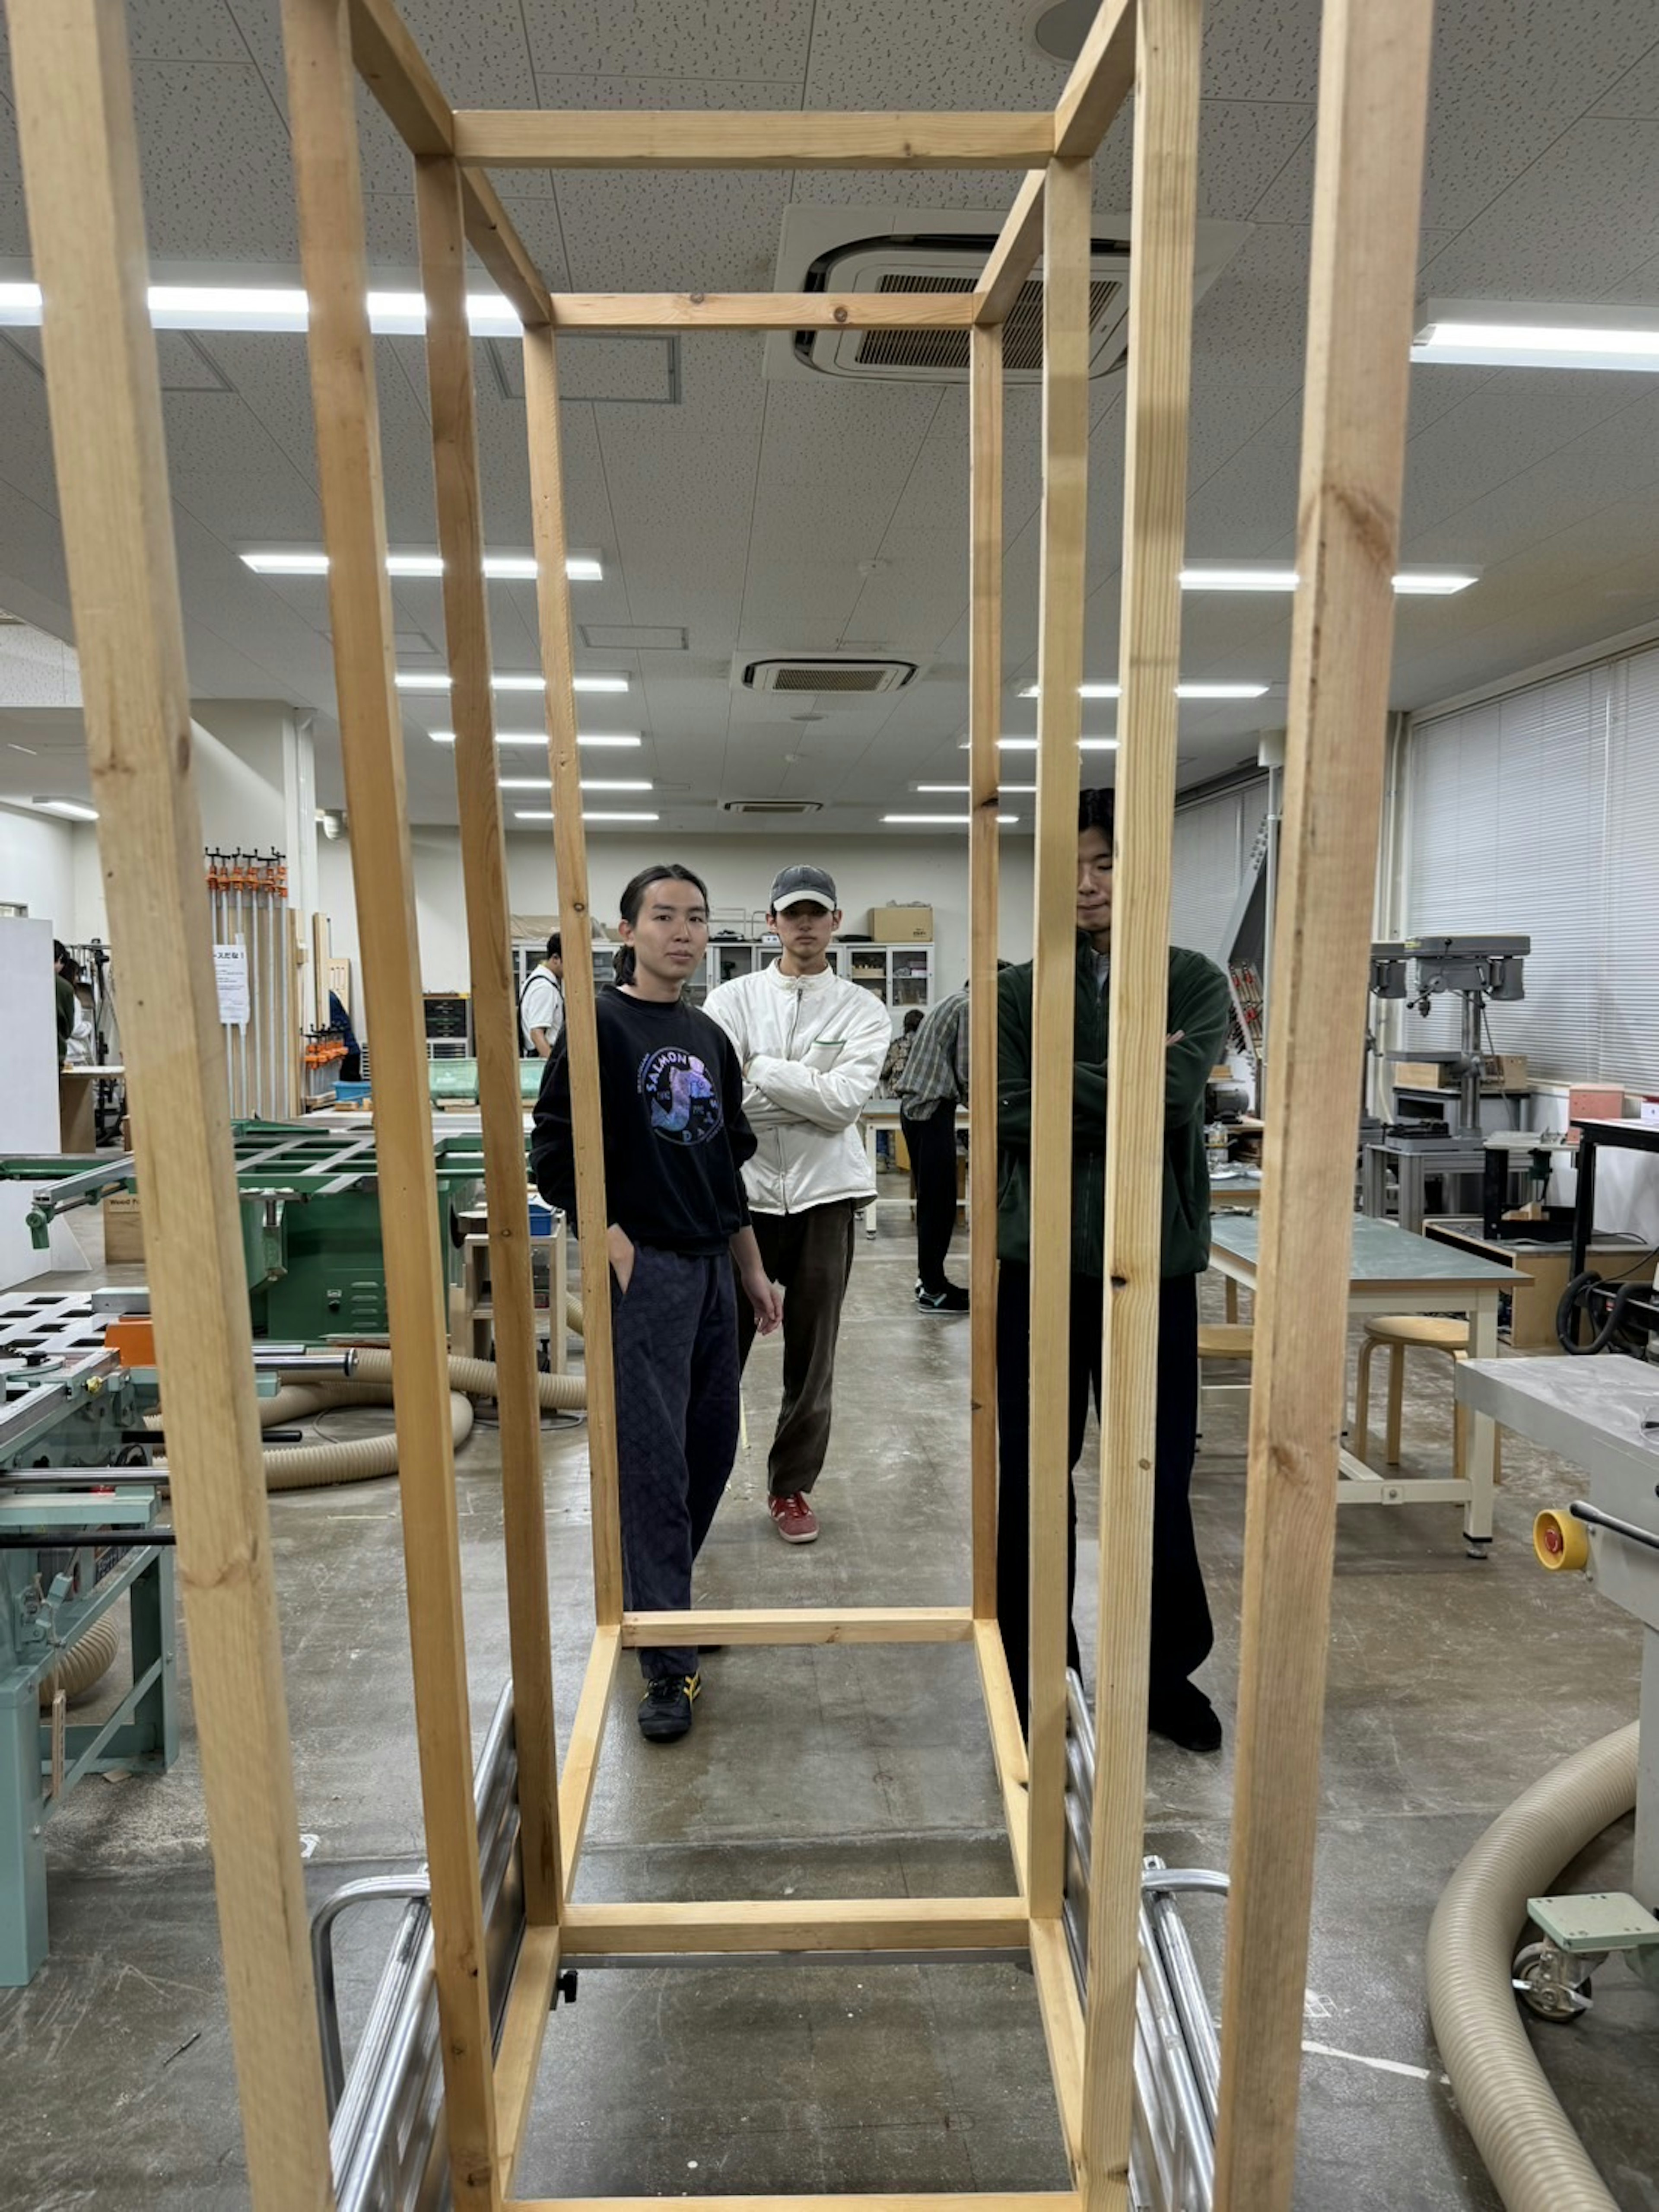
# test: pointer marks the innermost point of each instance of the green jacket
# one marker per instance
(1198, 1009)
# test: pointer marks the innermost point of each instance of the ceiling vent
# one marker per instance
(897, 250)
(802, 677)
(771, 806)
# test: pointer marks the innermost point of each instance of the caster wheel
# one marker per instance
(1477, 1547)
(1543, 1978)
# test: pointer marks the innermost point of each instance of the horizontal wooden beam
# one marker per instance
(1102, 78)
(919, 1624)
(490, 234)
(1014, 255)
(619, 138)
(762, 311)
(858, 1923)
(988, 2200)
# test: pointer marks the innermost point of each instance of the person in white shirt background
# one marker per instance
(811, 1045)
(541, 1003)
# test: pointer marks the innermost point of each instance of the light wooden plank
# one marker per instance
(1007, 1743)
(1062, 2029)
(1374, 73)
(541, 382)
(80, 164)
(1060, 672)
(919, 1624)
(1165, 200)
(984, 726)
(1015, 254)
(631, 138)
(492, 236)
(524, 2032)
(799, 1923)
(582, 1758)
(324, 135)
(762, 311)
(495, 1017)
(1103, 76)
(988, 2200)
(392, 66)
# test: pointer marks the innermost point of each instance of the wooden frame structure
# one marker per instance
(81, 170)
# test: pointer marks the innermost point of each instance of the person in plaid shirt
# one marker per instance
(933, 1084)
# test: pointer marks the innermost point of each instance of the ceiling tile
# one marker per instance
(1636, 93)
(664, 38)
(1583, 215)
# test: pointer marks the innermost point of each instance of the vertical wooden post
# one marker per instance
(80, 162)
(323, 113)
(1165, 201)
(1060, 672)
(541, 385)
(1373, 90)
(984, 724)
(495, 1018)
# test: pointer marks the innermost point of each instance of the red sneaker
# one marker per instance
(793, 1519)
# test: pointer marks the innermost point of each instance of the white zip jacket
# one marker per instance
(812, 1048)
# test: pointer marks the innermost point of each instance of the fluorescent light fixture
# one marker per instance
(1262, 576)
(1434, 583)
(522, 681)
(961, 790)
(437, 679)
(1183, 692)
(946, 821)
(589, 814)
(502, 568)
(274, 307)
(524, 782)
(422, 679)
(75, 810)
(1013, 745)
(1029, 745)
(598, 682)
(1539, 334)
(1240, 576)
(612, 740)
(589, 783)
(1097, 744)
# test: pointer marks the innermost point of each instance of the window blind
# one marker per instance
(1538, 812)
(1214, 839)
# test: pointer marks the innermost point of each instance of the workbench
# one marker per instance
(884, 1116)
(1592, 1411)
(1393, 1272)
(1547, 1262)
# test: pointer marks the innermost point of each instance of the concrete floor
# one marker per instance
(848, 1773)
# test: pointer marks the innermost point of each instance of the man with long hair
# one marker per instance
(670, 1094)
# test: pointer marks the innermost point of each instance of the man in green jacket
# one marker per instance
(1197, 1030)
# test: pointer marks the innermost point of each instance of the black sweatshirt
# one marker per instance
(670, 1094)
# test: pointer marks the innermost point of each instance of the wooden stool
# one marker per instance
(1222, 1340)
(1398, 1333)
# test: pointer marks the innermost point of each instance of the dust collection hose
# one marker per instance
(87, 1661)
(1531, 2149)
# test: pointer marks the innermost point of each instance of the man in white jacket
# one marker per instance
(811, 1047)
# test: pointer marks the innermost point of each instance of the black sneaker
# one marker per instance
(666, 1708)
(1185, 1716)
(951, 1298)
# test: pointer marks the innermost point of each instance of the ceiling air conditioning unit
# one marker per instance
(771, 806)
(803, 675)
(874, 249)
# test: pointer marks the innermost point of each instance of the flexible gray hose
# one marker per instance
(87, 1661)
(360, 1459)
(1531, 2149)
(557, 1393)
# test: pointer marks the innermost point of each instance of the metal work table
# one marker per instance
(1591, 1411)
(1414, 1161)
(1392, 1272)
(876, 1117)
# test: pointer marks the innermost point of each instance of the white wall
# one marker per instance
(37, 869)
(738, 869)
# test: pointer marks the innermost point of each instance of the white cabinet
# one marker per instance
(899, 975)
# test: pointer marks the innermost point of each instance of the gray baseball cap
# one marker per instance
(795, 884)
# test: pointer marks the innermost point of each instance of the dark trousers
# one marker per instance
(810, 1255)
(932, 1144)
(1182, 1634)
(676, 1341)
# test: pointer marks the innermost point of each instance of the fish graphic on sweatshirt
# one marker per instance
(684, 1101)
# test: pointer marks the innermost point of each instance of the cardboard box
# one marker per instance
(902, 925)
(1504, 1071)
(124, 1228)
(1595, 1101)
